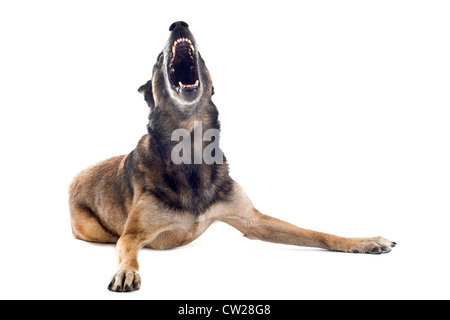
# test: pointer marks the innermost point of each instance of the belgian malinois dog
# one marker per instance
(160, 198)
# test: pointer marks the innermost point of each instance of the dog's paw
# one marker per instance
(374, 245)
(125, 281)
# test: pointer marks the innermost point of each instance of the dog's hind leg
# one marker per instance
(85, 226)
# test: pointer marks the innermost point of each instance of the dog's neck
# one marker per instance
(192, 186)
(165, 120)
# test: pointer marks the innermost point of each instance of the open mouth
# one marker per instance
(182, 67)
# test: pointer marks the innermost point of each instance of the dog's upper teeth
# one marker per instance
(182, 40)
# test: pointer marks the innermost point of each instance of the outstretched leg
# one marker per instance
(255, 225)
(266, 228)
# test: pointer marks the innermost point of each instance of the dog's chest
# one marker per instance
(181, 229)
(191, 188)
(179, 232)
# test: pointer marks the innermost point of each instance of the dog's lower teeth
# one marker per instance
(181, 85)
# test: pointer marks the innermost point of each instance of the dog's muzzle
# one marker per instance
(182, 62)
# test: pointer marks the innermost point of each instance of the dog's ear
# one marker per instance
(146, 90)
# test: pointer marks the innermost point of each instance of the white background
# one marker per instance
(335, 117)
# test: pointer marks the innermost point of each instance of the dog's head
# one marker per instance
(179, 75)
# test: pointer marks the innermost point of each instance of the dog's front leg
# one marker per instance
(127, 277)
(144, 223)
(241, 214)
(267, 228)
(136, 231)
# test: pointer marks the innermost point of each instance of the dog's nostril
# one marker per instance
(177, 24)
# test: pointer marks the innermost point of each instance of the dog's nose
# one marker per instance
(178, 25)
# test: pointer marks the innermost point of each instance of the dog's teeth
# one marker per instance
(182, 40)
(173, 49)
(192, 48)
(181, 85)
(172, 70)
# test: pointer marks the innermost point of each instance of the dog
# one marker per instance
(160, 198)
